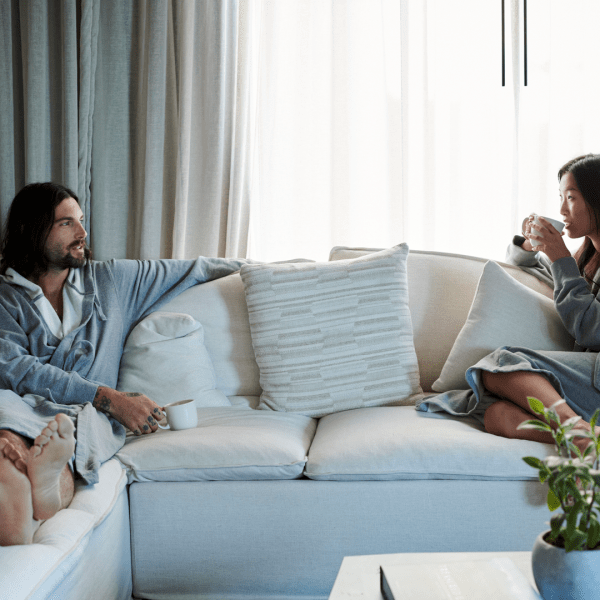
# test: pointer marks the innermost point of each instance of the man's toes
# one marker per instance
(64, 425)
(43, 438)
(53, 425)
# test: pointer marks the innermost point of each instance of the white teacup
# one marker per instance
(180, 415)
(558, 225)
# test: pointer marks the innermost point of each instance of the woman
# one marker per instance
(513, 374)
(502, 381)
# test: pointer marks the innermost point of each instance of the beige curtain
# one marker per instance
(38, 95)
(172, 129)
(144, 107)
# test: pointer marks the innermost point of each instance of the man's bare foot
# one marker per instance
(16, 511)
(46, 462)
(10, 451)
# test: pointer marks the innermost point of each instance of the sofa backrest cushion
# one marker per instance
(504, 313)
(220, 306)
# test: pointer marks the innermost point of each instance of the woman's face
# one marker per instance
(578, 217)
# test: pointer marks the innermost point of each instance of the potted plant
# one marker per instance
(564, 561)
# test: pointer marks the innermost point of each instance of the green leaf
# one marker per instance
(593, 538)
(575, 541)
(556, 523)
(552, 501)
(565, 472)
(570, 423)
(557, 403)
(569, 532)
(551, 415)
(534, 462)
(536, 406)
(594, 419)
(534, 424)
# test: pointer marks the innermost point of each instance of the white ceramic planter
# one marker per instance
(565, 576)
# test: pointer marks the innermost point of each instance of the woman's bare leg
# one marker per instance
(502, 418)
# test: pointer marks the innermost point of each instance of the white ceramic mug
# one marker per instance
(180, 415)
(558, 225)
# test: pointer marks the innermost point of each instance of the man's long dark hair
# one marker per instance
(586, 171)
(28, 225)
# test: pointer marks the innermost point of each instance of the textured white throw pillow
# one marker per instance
(504, 313)
(165, 359)
(332, 336)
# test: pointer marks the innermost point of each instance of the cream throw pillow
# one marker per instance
(504, 313)
(332, 336)
(165, 359)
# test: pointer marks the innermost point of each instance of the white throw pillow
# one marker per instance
(504, 313)
(332, 336)
(165, 359)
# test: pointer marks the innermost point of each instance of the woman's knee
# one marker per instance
(493, 382)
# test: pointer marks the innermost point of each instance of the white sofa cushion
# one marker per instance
(504, 313)
(220, 306)
(332, 336)
(165, 359)
(230, 443)
(398, 442)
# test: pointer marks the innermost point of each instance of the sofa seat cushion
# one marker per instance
(229, 443)
(386, 443)
(59, 542)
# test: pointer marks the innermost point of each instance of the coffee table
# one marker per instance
(359, 576)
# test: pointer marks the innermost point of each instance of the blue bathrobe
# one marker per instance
(575, 375)
(42, 375)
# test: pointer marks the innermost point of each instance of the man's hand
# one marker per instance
(132, 409)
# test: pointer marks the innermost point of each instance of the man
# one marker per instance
(64, 320)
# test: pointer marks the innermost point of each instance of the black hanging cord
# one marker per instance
(503, 47)
(525, 41)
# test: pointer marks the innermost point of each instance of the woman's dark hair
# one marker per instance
(586, 172)
(28, 225)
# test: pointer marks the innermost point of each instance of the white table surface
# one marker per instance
(359, 576)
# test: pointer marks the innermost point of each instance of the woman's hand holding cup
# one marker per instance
(545, 235)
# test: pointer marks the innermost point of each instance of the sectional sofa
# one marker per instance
(260, 501)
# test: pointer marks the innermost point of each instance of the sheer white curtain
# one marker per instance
(172, 131)
(328, 128)
(382, 121)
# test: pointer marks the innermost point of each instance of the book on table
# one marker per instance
(496, 578)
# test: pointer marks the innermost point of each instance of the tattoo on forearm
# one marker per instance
(132, 394)
(101, 402)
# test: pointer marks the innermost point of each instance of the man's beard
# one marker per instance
(68, 261)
